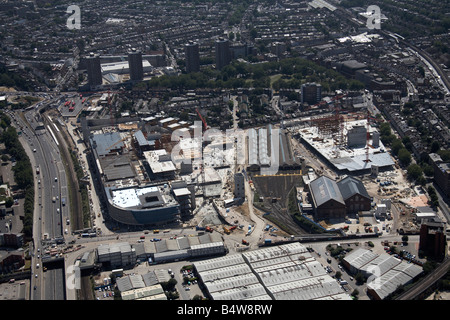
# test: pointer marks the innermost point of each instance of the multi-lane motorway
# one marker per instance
(50, 187)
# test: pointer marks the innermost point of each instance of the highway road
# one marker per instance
(49, 185)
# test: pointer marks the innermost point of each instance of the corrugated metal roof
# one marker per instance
(183, 243)
(124, 284)
(400, 275)
(172, 244)
(360, 257)
(350, 186)
(381, 265)
(240, 293)
(252, 147)
(140, 138)
(149, 278)
(136, 281)
(220, 262)
(323, 189)
(225, 272)
(227, 283)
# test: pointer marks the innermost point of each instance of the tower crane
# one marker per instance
(205, 125)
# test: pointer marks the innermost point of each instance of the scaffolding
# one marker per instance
(330, 127)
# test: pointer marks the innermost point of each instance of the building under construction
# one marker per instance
(348, 145)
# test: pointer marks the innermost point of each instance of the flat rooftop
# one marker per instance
(344, 157)
(145, 197)
(156, 164)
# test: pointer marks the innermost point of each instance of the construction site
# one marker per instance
(350, 144)
(207, 179)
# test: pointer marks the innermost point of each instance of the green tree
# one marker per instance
(359, 278)
(435, 147)
(405, 238)
(396, 145)
(414, 171)
(404, 156)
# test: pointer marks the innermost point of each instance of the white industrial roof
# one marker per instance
(229, 283)
(287, 271)
(389, 282)
(360, 257)
(217, 263)
(381, 265)
(155, 164)
(155, 291)
(126, 198)
(307, 289)
(122, 247)
(181, 192)
(226, 272)
(252, 147)
(240, 293)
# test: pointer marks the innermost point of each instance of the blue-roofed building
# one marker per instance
(107, 143)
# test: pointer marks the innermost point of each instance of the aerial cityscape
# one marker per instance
(224, 150)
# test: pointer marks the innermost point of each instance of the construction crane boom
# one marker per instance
(205, 126)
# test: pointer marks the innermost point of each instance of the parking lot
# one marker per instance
(186, 290)
(105, 293)
(15, 291)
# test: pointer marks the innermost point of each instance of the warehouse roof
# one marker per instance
(283, 272)
(220, 262)
(241, 293)
(350, 186)
(360, 257)
(307, 289)
(149, 279)
(324, 189)
(116, 167)
(227, 283)
(225, 272)
(401, 274)
(130, 282)
(381, 264)
(154, 292)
